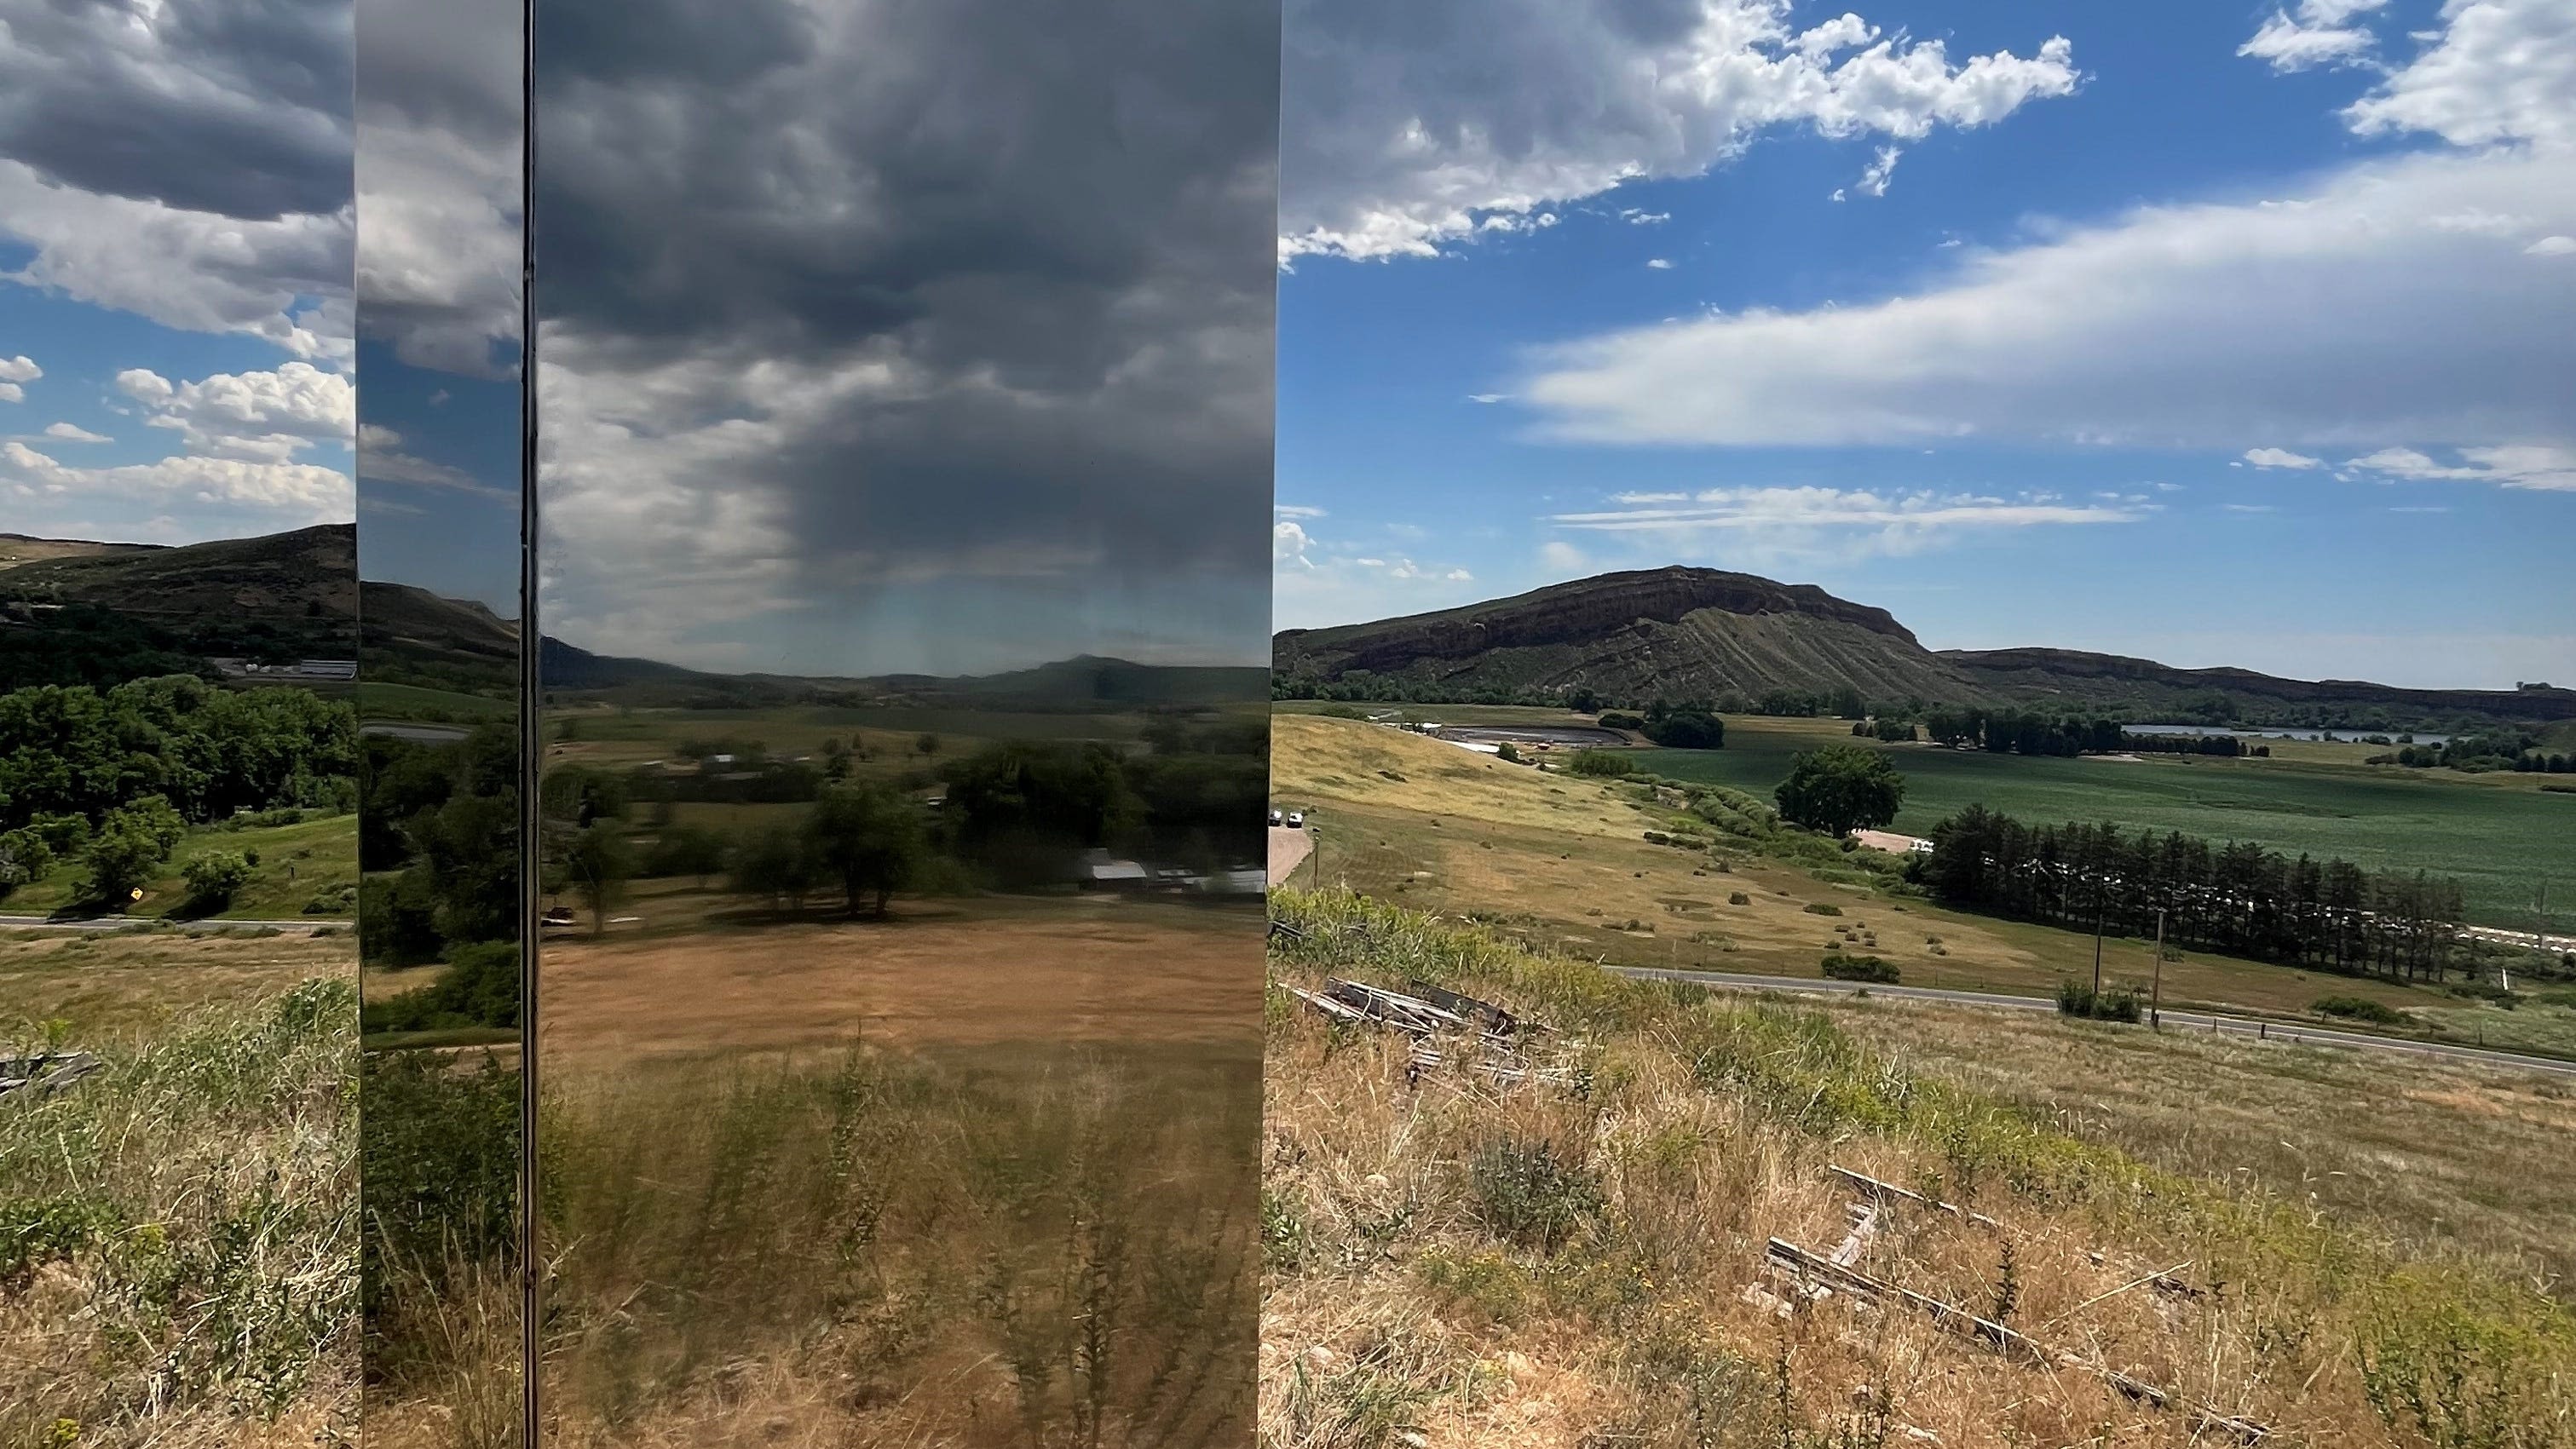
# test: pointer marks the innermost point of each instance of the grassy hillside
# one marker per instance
(1563, 862)
(313, 863)
(310, 573)
(1472, 1263)
(2500, 834)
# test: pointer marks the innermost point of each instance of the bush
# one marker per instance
(1738, 898)
(214, 878)
(1532, 1194)
(1824, 908)
(2112, 1003)
(2360, 1008)
(1614, 720)
(1605, 763)
(1839, 967)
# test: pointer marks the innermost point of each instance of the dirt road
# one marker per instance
(1288, 850)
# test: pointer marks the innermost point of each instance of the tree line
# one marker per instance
(2237, 897)
(2477, 753)
(115, 777)
(1013, 815)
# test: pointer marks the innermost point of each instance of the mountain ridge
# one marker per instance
(1681, 632)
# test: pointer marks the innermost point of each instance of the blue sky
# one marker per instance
(2213, 334)
(175, 313)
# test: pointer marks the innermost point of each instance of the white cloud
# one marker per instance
(1397, 142)
(70, 433)
(2545, 467)
(2318, 35)
(19, 369)
(12, 392)
(1660, 264)
(1289, 543)
(1563, 559)
(292, 493)
(262, 416)
(1296, 510)
(1636, 216)
(1811, 521)
(1487, 397)
(2249, 508)
(2344, 313)
(1873, 182)
(2281, 458)
(2498, 70)
(382, 458)
(2551, 246)
(285, 280)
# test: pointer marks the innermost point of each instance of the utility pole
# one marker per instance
(2101, 913)
(2156, 1003)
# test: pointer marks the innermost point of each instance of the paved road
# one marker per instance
(119, 923)
(427, 734)
(2192, 1020)
(1288, 850)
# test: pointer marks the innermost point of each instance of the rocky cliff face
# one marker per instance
(1681, 632)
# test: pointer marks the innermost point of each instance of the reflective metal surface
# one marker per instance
(438, 262)
(903, 376)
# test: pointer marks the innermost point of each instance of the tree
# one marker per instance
(1026, 808)
(1841, 788)
(599, 862)
(870, 838)
(686, 850)
(1607, 763)
(1687, 728)
(1583, 699)
(926, 742)
(129, 843)
(775, 863)
(24, 857)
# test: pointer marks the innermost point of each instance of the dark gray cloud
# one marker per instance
(236, 107)
(837, 297)
(438, 122)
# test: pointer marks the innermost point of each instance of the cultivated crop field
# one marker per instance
(2499, 837)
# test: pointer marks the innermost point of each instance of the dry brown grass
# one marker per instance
(1562, 861)
(2445, 1159)
(123, 987)
(178, 1260)
(981, 973)
(1408, 1302)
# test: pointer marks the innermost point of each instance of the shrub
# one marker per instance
(2360, 1008)
(1824, 908)
(1615, 720)
(2112, 1003)
(1839, 967)
(1605, 763)
(1738, 898)
(1533, 1193)
(214, 878)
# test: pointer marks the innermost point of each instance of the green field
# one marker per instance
(2501, 842)
(316, 859)
(413, 702)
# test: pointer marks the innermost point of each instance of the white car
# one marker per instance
(1276, 817)
(1296, 819)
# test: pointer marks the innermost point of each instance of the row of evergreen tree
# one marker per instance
(2236, 897)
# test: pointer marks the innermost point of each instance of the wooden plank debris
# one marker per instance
(1820, 1269)
(1888, 1191)
(46, 1072)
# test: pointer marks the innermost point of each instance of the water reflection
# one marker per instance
(439, 435)
(904, 375)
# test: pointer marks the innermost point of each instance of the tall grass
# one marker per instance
(1439, 1263)
(178, 1236)
(1036, 1247)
